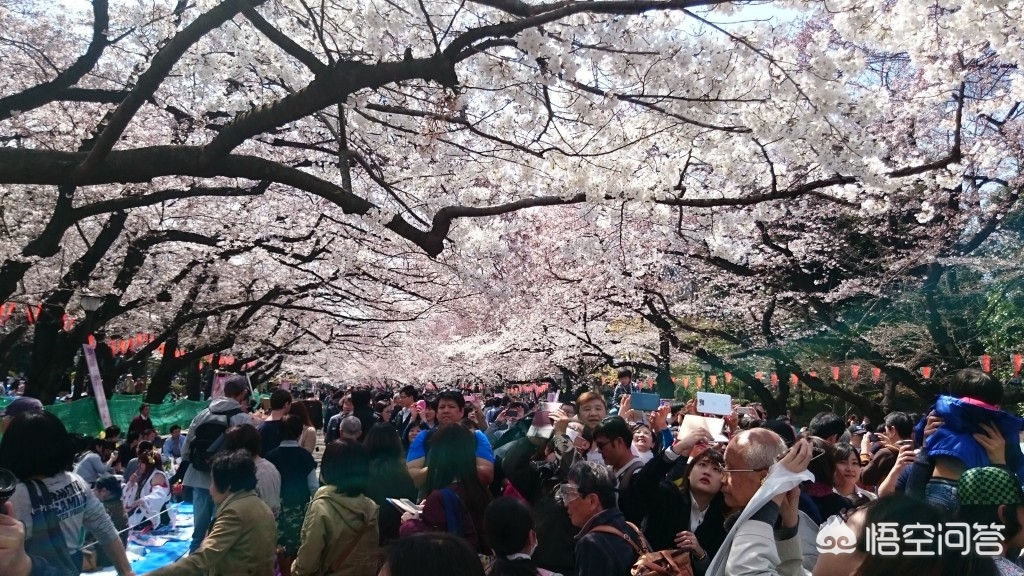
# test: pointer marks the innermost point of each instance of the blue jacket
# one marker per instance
(961, 420)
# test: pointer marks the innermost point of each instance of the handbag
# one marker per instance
(662, 563)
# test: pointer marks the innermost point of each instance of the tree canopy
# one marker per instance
(504, 189)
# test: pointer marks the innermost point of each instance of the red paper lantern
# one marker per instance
(835, 373)
(714, 380)
(986, 363)
(813, 373)
(728, 377)
(876, 373)
(686, 382)
(775, 380)
(855, 371)
(926, 371)
(1017, 361)
(795, 380)
(759, 375)
(91, 340)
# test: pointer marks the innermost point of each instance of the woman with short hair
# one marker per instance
(340, 534)
(243, 536)
(37, 449)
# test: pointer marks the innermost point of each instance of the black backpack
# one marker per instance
(208, 439)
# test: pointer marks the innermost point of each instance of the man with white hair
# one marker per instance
(351, 428)
(766, 543)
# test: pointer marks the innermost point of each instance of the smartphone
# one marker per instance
(873, 437)
(421, 405)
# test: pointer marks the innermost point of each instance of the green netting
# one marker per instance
(82, 416)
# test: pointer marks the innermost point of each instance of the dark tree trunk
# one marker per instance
(160, 384)
(664, 385)
(193, 381)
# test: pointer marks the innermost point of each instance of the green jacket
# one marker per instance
(333, 524)
(241, 542)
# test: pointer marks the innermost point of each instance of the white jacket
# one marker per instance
(153, 499)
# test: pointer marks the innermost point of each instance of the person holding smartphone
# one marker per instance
(505, 420)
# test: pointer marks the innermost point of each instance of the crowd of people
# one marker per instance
(450, 482)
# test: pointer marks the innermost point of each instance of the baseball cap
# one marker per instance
(857, 429)
(351, 427)
(21, 405)
(989, 486)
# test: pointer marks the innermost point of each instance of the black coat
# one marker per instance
(603, 554)
(555, 532)
(668, 509)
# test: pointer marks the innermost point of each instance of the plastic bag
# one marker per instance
(779, 480)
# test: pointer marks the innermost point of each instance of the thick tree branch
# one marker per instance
(47, 92)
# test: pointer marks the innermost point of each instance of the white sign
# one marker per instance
(97, 385)
(712, 425)
(711, 403)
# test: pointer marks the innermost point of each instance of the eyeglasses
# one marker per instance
(818, 452)
(727, 471)
(601, 445)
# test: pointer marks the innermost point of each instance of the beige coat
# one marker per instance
(241, 542)
(332, 523)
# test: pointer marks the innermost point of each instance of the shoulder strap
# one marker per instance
(350, 548)
(452, 511)
(619, 534)
(640, 548)
(644, 545)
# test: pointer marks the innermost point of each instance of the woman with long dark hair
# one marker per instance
(308, 438)
(389, 478)
(453, 489)
(147, 493)
(512, 536)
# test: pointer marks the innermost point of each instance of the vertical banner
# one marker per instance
(97, 384)
(217, 390)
